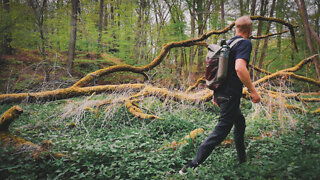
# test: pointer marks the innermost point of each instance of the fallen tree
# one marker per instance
(21, 146)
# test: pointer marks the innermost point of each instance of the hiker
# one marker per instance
(228, 98)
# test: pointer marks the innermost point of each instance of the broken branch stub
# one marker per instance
(8, 116)
(20, 145)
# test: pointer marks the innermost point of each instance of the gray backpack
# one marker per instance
(217, 63)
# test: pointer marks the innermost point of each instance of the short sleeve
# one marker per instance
(243, 50)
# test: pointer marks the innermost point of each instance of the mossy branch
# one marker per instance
(167, 47)
(66, 93)
(7, 118)
(268, 35)
(20, 145)
(289, 72)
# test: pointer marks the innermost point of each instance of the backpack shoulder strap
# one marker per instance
(235, 42)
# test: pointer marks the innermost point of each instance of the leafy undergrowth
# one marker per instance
(116, 145)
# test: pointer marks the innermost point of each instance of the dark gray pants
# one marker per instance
(230, 114)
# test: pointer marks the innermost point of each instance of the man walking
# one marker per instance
(228, 98)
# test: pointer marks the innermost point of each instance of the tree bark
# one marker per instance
(7, 48)
(100, 27)
(265, 42)
(106, 20)
(263, 5)
(193, 27)
(222, 16)
(200, 23)
(304, 16)
(7, 117)
(315, 35)
(39, 13)
(317, 20)
(73, 34)
(241, 7)
(279, 27)
(253, 7)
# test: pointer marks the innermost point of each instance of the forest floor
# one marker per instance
(112, 144)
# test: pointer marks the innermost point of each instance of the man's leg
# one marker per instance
(228, 107)
(215, 138)
(239, 130)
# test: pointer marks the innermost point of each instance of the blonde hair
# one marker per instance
(243, 24)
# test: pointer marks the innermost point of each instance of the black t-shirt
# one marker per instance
(242, 50)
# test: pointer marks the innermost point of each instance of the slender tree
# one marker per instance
(203, 7)
(140, 32)
(192, 11)
(279, 27)
(317, 18)
(222, 16)
(7, 48)
(73, 34)
(241, 7)
(200, 23)
(263, 7)
(304, 15)
(39, 14)
(265, 42)
(100, 27)
(253, 7)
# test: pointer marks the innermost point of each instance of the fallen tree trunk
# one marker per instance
(21, 146)
(7, 117)
(190, 137)
(66, 93)
(289, 72)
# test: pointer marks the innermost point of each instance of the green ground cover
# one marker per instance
(116, 145)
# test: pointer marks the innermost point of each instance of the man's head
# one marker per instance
(244, 26)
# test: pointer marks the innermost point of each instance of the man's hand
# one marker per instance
(244, 76)
(255, 97)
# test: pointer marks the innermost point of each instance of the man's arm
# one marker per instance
(244, 76)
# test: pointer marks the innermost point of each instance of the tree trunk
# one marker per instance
(39, 11)
(73, 34)
(241, 7)
(253, 7)
(304, 16)
(280, 6)
(317, 22)
(100, 27)
(106, 22)
(140, 32)
(200, 22)
(7, 48)
(222, 16)
(112, 19)
(265, 43)
(59, 5)
(263, 5)
(193, 29)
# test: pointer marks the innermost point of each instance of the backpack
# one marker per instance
(217, 63)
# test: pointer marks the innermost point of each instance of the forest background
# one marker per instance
(48, 45)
